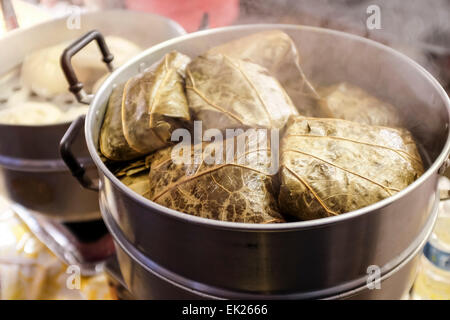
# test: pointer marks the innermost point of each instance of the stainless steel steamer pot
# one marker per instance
(317, 258)
(32, 174)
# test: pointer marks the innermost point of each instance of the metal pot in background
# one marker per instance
(32, 174)
(319, 258)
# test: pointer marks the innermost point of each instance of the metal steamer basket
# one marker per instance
(164, 253)
(32, 173)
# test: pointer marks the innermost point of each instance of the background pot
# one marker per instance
(32, 174)
(144, 280)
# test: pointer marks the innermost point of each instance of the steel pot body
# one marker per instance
(32, 173)
(144, 279)
(314, 258)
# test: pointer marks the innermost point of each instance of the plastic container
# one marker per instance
(433, 279)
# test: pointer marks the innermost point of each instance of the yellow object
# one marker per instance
(28, 270)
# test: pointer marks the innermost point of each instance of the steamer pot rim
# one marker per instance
(246, 227)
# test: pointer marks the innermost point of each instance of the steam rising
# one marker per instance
(420, 29)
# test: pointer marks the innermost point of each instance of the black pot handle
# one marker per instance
(76, 168)
(75, 86)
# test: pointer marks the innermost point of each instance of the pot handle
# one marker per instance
(75, 86)
(76, 168)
